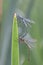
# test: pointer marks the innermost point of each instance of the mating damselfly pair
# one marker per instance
(23, 25)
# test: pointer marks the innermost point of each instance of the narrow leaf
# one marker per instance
(15, 45)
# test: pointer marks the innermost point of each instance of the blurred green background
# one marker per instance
(32, 9)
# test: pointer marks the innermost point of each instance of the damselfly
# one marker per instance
(25, 37)
(21, 17)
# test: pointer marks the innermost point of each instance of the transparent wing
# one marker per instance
(28, 40)
(21, 16)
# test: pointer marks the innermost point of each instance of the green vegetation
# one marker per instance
(15, 45)
(32, 9)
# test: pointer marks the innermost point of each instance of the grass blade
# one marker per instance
(15, 45)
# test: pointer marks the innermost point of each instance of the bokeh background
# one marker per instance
(32, 9)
